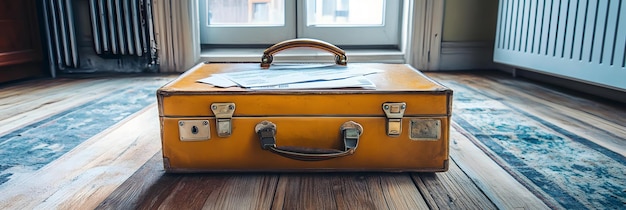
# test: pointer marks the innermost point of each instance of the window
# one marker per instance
(341, 22)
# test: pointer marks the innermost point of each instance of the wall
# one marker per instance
(469, 29)
(470, 20)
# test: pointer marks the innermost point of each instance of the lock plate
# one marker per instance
(425, 129)
(194, 130)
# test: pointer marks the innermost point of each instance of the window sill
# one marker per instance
(226, 55)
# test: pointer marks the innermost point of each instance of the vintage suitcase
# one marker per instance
(402, 125)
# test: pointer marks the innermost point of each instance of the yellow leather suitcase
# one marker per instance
(402, 125)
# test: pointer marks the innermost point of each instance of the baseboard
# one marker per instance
(594, 90)
(21, 71)
(466, 56)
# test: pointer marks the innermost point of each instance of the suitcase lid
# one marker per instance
(185, 96)
(394, 78)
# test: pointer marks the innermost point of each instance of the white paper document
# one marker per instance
(351, 82)
(295, 77)
(218, 81)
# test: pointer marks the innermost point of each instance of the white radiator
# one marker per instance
(118, 28)
(584, 40)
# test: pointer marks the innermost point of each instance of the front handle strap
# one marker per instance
(350, 131)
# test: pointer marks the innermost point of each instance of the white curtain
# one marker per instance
(177, 34)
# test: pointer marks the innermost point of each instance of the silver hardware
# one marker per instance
(425, 129)
(223, 116)
(194, 130)
(394, 113)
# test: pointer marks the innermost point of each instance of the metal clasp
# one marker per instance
(223, 115)
(394, 113)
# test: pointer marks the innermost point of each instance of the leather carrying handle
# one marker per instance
(350, 131)
(268, 54)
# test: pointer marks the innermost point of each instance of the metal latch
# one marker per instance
(223, 114)
(394, 113)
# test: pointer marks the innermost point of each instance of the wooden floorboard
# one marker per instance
(347, 191)
(121, 167)
(452, 190)
(142, 188)
(151, 188)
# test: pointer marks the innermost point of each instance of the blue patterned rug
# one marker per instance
(28, 149)
(563, 169)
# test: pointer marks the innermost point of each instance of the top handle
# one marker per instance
(268, 54)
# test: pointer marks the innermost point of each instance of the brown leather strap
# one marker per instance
(351, 131)
(268, 54)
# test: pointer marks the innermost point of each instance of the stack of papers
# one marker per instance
(295, 77)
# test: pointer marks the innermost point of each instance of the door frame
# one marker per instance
(425, 35)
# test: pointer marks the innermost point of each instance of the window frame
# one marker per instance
(251, 34)
(389, 34)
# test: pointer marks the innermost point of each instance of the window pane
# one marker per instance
(345, 12)
(246, 12)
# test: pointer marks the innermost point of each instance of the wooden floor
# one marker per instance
(121, 167)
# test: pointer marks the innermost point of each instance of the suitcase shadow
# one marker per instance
(150, 188)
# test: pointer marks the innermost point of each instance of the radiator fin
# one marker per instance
(62, 37)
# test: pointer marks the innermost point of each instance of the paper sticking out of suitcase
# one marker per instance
(304, 118)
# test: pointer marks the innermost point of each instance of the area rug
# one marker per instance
(563, 169)
(29, 148)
